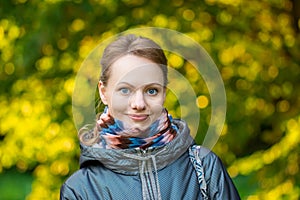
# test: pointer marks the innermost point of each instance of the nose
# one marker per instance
(137, 101)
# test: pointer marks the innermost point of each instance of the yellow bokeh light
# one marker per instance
(7, 54)
(202, 101)
(275, 90)
(227, 73)
(238, 50)
(283, 106)
(225, 17)
(63, 43)
(292, 124)
(47, 49)
(59, 167)
(225, 2)
(173, 23)
(1, 33)
(13, 32)
(175, 61)
(205, 17)
(66, 62)
(44, 63)
(277, 42)
(9, 68)
(289, 40)
(120, 21)
(253, 197)
(254, 70)
(41, 156)
(160, 21)
(86, 45)
(68, 145)
(284, 20)
(194, 36)
(4, 23)
(264, 37)
(233, 171)
(22, 165)
(77, 25)
(26, 108)
(192, 74)
(188, 15)
(52, 131)
(226, 56)
(224, 130)
(273, 71)
(69, 86)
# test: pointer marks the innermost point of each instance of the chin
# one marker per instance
(138, 130)
(134, 132)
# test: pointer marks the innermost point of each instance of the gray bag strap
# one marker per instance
(194, 152)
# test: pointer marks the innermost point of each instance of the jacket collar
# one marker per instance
(128, 161)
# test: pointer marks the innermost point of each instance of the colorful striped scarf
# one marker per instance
(114, 135)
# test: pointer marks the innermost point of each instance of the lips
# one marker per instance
(138, 117)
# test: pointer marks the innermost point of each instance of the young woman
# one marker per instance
(136, 150)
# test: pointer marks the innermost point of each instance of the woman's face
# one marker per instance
(135, 92)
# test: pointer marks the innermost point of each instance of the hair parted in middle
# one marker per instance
(133, 45)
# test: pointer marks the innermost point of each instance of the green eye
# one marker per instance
(152, 91)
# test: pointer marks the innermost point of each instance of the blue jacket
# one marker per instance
(164, 172)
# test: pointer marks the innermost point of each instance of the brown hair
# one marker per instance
(134, 45)
(124, 45)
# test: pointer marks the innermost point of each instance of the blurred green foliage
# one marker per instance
(255, 44)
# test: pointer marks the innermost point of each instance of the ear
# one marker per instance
(102, 92)
(164, 94)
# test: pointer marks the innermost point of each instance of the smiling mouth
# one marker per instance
(138, 117)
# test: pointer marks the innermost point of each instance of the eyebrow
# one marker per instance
(145, 85)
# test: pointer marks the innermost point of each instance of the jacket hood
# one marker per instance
(128, 161)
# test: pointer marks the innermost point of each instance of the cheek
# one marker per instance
(114, 100)
(158, 100)
(156, 105)
(117, 105)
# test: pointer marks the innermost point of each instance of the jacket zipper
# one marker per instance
(146, 175)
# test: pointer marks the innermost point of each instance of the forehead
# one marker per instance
(135, 70)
